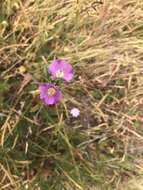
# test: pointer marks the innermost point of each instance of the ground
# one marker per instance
(44, 147)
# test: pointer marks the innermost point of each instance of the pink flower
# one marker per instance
(60, 69)
(49, 93)
(75, 112)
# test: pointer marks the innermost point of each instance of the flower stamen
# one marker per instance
(51, 91)
(59, 74)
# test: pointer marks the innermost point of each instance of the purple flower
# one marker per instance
(49, 93)
(75, 112)
(61, 69)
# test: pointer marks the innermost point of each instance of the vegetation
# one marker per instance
(44, 147)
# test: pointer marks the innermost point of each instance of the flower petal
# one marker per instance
(58, 96)
(49, 100)
(68, 76)
(54, 66)
(67, 68)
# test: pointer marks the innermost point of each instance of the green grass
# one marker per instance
(43, 148)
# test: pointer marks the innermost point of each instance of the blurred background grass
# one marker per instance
(43, 147)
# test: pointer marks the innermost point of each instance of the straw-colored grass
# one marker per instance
(44, 148)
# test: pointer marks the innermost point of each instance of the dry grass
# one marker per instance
(43, 147)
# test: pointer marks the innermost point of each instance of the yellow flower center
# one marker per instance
(59, 74)
(51, 91)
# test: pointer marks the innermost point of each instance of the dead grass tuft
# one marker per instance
(44, 148)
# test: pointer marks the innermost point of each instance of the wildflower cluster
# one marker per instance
(50, 94)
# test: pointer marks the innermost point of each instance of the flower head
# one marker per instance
(75, 112)
(61, 69)
(49, 93)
